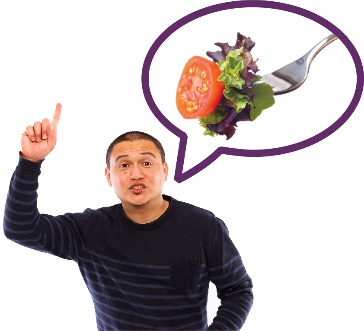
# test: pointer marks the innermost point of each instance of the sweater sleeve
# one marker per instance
(23, 224)
(233, 284)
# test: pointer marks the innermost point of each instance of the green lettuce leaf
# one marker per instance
(231, 69)
(263, 99)
(215, 117)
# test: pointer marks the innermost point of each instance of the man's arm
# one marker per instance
(233, 284)
(22, 221)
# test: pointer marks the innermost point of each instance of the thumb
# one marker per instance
(51, 135)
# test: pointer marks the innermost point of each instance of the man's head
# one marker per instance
(136, 169)
(132, 136)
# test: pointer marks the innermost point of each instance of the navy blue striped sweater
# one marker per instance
(140, 277)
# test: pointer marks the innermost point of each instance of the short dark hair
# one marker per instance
(132, 136)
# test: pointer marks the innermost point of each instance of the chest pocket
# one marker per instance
(185, 272)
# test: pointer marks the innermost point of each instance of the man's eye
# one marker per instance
(147, 163)
(123, 165)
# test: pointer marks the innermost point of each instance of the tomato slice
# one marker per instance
(199, 92)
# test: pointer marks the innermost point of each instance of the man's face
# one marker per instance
(137, 173)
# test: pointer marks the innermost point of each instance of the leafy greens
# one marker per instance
(244, 98)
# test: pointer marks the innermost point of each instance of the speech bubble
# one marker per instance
(181, 176)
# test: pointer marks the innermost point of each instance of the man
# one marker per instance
(146, 261)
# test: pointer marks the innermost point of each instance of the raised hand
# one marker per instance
(40, 139)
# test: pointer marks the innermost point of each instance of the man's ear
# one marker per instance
(165, 171)
(107, 175)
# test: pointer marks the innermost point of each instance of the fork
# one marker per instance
(294, 74)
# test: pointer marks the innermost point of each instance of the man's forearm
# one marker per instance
(20, 216)
(235, 306)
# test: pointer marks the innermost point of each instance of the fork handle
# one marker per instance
(311, 54)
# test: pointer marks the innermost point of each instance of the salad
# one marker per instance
(223, 90)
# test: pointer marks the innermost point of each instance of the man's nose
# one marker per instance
(136, 173)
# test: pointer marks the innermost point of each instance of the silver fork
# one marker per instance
(294, 74)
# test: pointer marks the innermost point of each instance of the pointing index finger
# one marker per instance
(57, 115)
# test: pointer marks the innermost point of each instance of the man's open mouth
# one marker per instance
(137, 188)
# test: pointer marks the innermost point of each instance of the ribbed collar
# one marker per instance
(154, 224)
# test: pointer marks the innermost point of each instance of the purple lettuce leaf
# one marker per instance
(226, 48)
(229, 123)
(248, 73)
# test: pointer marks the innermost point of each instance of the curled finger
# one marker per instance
(37, 131)
(29, 131)
(45, 125)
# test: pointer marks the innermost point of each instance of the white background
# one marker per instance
(295, 218)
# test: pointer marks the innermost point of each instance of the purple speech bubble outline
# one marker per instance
(181, 176)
